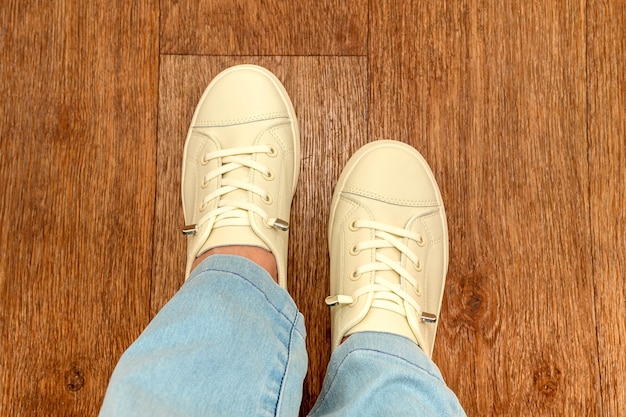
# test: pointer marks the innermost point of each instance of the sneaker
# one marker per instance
(388, 242)
(240, 166)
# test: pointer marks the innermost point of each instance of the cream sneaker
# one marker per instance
(240, 165)
(388, 243)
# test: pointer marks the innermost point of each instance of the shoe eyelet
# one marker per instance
(419, 267)
(421, 242)
(354, 251)
(267, 199)
(204, 183)
(418, 291)
(273, 153)
(352, 226)
(354, 276)
(204, 161)
(203, 207)
(269, 176)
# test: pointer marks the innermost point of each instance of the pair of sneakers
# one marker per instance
(387, 231)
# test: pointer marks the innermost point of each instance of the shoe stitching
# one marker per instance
(423, 219)
(194, 161)
(250, 119)
(369, 194)
(287, 362)
(355, 205)
(272, 132)
(349, 214)
(342, 265)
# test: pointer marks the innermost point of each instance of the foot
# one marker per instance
(240, 166)
(388, 245)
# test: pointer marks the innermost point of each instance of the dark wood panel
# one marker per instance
(494, 95)
(77, 158)
(256, 27)
(606, 54)
(330, 98)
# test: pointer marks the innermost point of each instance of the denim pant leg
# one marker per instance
(382, 374)
(230, 343)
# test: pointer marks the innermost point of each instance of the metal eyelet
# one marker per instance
(267, 199)
(354, 276)
(421, 242)
(419, 267)
(273, 153)
(204, 161)
(269, 176)
(354, 251)
(352, 226)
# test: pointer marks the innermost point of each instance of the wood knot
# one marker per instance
(475, 303)
(474, 300)
(74, 378)
(547, 380)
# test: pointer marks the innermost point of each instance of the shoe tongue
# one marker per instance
(395, 216)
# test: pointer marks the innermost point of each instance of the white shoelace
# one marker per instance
(236, 212)
(386, 294)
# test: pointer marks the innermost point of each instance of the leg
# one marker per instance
(389, 257)
(383, 374)
(229, 343)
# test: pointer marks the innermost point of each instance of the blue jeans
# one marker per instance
(231, 343)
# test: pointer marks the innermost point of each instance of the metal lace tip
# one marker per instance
(189, 230)
(281, 225)
(428, 318)
(335, 300)
(331, 301)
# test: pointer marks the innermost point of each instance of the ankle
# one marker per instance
(264, 258)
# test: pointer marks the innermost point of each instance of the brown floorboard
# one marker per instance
(606, 130)
(272, 27)
(519, 107)
(77, 174)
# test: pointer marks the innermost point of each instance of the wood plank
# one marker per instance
(606, 54)
(330, 98)
(264, 27)
(77, 157)
(494, 95)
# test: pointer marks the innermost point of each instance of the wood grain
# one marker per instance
(330, 98)
(494, 95)
(264, 27)
(77, 158)
(606, 82)
(520, 108)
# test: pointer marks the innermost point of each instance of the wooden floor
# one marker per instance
(519, 106)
